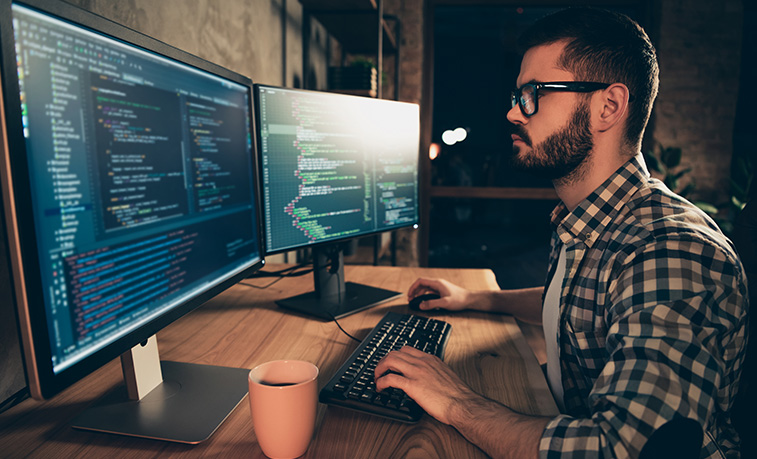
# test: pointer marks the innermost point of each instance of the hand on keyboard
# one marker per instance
(423, 378)
(353, 385)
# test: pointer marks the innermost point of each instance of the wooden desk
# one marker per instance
(243, 328)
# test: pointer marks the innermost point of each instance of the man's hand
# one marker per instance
(453, 297)
(493, 427)
(525, 303)
(426, 379)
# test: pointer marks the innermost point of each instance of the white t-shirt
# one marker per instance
(550, 322)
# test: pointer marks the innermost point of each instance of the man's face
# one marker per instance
(557, 140)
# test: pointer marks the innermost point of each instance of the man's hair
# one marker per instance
(605, 47)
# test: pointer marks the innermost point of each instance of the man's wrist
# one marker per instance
(482, 300)
(462, 410)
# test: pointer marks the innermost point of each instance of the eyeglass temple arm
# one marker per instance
(581, 86)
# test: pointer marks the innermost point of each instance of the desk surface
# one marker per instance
(243, 328)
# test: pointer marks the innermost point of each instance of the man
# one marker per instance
(644, 309)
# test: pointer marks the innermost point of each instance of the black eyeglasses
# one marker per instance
(527, 96)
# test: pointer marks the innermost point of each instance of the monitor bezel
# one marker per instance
(19, 219)
(342, 239)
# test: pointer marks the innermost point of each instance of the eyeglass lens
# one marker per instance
(525, 96)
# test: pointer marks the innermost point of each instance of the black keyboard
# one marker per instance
(353, 385)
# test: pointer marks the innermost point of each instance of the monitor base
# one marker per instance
(356, 297)
(187, 407)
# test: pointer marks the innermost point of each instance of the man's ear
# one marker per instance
(611, 107)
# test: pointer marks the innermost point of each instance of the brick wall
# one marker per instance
(411, 42)
(242, 35)
(699, 49)
(411, 79)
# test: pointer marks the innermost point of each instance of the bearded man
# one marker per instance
(644, 307)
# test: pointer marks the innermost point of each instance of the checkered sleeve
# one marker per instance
(675, 318)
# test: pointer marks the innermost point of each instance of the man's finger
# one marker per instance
(394, 361)
(422, 285)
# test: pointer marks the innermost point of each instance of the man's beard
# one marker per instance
(560, 156)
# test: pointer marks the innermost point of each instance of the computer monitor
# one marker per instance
(335, 167)
(131, 197)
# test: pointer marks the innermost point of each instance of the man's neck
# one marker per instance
(599, 166)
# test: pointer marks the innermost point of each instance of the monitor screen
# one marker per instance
(335, 166)
(130, 185)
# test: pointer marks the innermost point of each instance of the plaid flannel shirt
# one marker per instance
(652, 320)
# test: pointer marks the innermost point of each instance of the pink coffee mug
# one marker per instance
(283, 400)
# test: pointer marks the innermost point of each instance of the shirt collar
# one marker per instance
(592, 215)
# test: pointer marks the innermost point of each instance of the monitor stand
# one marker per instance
(334, 298)
(172, 401)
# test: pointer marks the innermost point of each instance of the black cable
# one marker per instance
(263, 287)
(280, 272)
(283, 273)
(279, 276)
(269, 274)
(15, 399)
(339, 280)
(340, 327)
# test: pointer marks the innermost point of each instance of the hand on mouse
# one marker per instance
(451, 296)
(415, 303)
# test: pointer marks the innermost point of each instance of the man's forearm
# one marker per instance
(525, 304)
(498, 430)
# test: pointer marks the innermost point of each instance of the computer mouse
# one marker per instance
(415, 303)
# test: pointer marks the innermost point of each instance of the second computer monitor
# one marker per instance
(335, 167)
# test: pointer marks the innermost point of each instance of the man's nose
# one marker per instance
(515, 116)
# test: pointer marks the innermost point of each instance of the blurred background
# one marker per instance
(457, 59)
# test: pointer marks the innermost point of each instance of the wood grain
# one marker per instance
(243, 328)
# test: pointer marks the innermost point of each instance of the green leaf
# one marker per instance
(741, 163)
(687, 190)
(737, 189)
(652, 162)
(707, 208)
(671, 156)
(682, 173)
(745, 164)
(726, 226)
